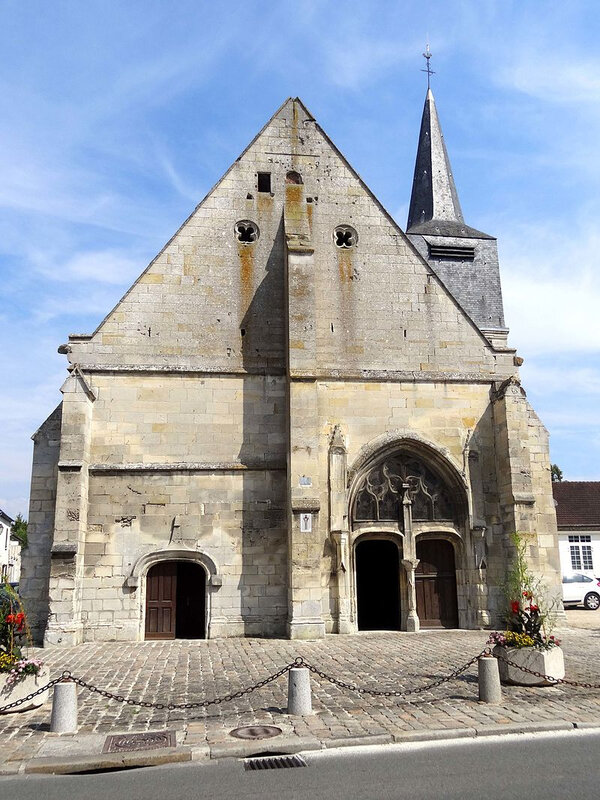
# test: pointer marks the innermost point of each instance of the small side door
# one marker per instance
(161, 601)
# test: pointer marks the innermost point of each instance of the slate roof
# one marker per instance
(434, 204)
(577, 504)
(437, 227)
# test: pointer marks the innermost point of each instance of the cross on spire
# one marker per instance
(428, 70)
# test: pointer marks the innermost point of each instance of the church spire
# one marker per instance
(465, 259)
(434, 196)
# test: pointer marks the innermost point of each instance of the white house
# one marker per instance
(10, 550)
(578, 519)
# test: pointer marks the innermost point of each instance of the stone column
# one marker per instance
(70, 519)
(410, 561)
(305, 538)
(412, 618)
(338, 527)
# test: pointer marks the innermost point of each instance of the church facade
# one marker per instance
(299, 420)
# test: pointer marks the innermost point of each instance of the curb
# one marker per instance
(107, 761)
(286, 745)
(280, 744)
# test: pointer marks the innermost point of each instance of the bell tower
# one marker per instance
(465, 258)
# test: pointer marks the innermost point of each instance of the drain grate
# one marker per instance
(255, 732)
(128, 742)
(274, 762)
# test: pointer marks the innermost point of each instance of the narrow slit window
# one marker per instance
(264, 182)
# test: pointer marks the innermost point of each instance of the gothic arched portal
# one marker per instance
(420, 502)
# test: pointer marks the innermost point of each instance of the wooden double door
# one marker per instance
(176, 601)
(435, 584)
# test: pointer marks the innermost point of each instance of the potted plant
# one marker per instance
(19, 675)
(528, 640)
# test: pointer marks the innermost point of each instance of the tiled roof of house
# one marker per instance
(577, 504)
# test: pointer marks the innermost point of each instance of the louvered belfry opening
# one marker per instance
(452, 252)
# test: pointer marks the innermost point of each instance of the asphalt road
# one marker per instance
(540, 766)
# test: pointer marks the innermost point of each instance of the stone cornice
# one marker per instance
(357, 376)
(189, 466)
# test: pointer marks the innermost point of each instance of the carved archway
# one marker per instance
(398, 457)
(407, 487)
(138, 579)
(386, 485)
(144, 562)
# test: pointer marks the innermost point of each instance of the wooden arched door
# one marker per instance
(435, 583)
(175, 601)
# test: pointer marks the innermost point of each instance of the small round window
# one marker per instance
(345, 237)
(246, 232)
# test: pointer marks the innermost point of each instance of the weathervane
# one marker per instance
(429, 71)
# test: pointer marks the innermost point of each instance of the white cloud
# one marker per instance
(353, 60)
(548, 316)
(177, 181)
(564, 78)
(556, 379)
(550, 287)
(116, 267)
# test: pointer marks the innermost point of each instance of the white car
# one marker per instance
(578, 588)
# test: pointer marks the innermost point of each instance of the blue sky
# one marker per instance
(116, 118)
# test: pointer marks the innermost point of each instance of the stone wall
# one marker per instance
(234, 520)
(525, 492)
(35, 558)
(453, 418)
(210, 302)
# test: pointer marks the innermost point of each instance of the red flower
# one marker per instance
(18, 620)
(514, 606)
(534, 608)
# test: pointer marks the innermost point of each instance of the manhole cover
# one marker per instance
(126, 742)
(255, 732)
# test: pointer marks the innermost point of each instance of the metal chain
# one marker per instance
(392, 692)
(298, 662)
(175, 706)
(549, 678)
(28, 697)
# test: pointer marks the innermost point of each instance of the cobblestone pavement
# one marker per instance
(184, 671)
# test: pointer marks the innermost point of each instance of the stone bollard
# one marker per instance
(299, 700)
(64, 708)
(490, 690)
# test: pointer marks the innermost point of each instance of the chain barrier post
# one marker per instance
(299, 697)
(64, 707)
(490, 690)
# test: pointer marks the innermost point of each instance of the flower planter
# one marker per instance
(548, 662)
(27, 685)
